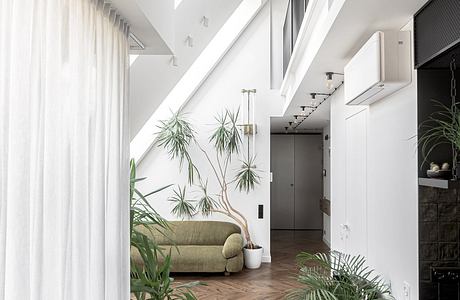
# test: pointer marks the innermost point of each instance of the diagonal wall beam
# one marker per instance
(196, 75)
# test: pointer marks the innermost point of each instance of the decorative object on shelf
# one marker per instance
(338, 276)
(436, 172)
(434, 167)
(443, 127)
(178, 137)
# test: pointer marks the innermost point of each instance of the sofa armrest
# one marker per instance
(233, 245)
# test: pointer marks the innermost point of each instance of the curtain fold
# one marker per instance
(64, 160)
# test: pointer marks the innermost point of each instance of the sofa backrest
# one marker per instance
(194, 233)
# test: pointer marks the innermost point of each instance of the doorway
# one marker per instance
(296, 187)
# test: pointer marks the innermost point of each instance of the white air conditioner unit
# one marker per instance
(381, 67)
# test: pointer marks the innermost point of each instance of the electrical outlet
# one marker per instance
(406, 291)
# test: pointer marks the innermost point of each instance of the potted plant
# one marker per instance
(177, 137)
(337, 276)
(441, 127)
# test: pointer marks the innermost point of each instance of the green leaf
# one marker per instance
(247, 177)
(176, 135)
(337, 276)
(182, 206)
(441, 127)
(226, 137)
(206, 204)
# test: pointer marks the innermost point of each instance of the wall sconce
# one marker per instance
(295, 119)
(248, 124)
(286, 129)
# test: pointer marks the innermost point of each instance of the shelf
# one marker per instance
(432, 182)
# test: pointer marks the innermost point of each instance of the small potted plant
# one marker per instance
(177, 137)
(441, 127)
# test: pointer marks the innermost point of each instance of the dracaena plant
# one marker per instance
(151, 280)
(337, 276)
(177, 136)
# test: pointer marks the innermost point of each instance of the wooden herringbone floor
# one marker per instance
(271, 281)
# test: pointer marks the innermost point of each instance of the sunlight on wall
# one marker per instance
(176, 3)
(132, 59)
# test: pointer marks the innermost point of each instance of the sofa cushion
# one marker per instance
(193, 233)
(196, 258)
(233, 245)
(235, 264)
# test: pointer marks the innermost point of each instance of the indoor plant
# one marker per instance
(337, 276)
(441, 127)
(151, 280)
(177, 137)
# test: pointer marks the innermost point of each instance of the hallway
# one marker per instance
(271, 281)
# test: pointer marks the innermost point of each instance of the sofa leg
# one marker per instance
(226, 273)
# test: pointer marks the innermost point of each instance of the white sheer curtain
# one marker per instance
(64, 209)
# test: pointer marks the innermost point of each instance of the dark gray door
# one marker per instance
(282, 186)
(296, 189)
(308, 182)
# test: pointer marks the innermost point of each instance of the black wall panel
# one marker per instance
(436, 29)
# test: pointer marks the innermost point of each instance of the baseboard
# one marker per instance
(267, 259)
(327, 242)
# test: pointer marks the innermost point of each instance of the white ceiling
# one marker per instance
(356, 22)
(154, 76)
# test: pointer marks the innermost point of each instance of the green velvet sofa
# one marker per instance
(201, 246)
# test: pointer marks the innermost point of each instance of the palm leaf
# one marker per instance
(183, 207)
(247, 177)
(226, 137)
(206, 204)
(176, 136)
(337, 276)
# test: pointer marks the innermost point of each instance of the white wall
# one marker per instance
(327, 182)
(391, 211)
(246, 65)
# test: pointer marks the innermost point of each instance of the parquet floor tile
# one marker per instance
(270, 282)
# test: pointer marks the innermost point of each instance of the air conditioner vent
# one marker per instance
(379, 68)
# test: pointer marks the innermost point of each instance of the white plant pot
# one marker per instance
(253, 258)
